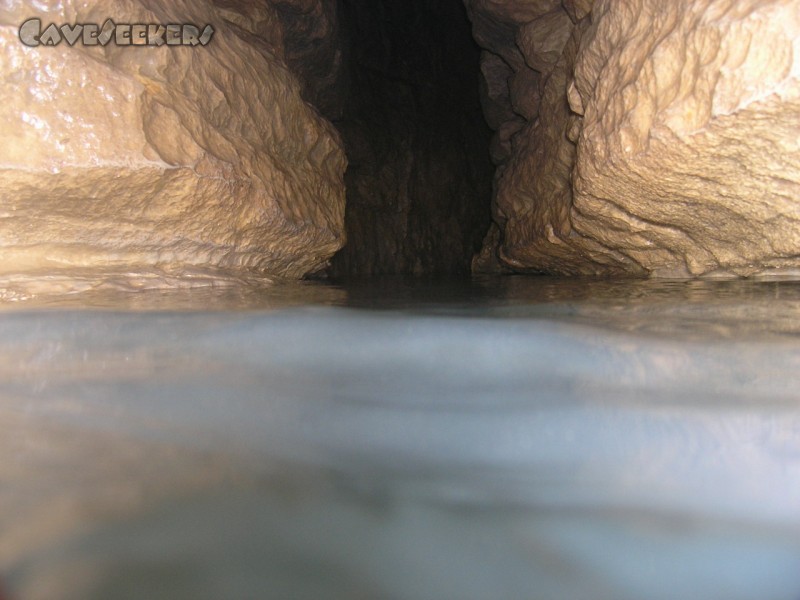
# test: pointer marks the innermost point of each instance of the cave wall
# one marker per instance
(164, 163)
(628, 137)
(419, 176)
(643, 137)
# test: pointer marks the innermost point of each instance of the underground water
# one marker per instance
(400, 299)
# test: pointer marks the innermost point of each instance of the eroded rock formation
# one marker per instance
(167, 158)
(630, 137)
(643, 137)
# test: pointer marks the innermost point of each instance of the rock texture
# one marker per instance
(644, 137)
(419, 178)
(169, 158)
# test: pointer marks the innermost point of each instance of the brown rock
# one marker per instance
(688, 161)
(542, 41)
(163, 158)
(501, 146)
(494, 90)
(577, 9)
(494, 30)
(313, 50)
(523, 42)
(534, 156)
(513, 11)
(666, 143)
(524, 93)
(534, 194)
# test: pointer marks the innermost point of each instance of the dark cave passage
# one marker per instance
(419, 175)
(405, 99)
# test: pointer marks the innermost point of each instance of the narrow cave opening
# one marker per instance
(406, 104)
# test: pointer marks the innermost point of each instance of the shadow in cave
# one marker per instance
(419, 175)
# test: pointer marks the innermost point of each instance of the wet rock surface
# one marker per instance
(163, 159)
(665, 141)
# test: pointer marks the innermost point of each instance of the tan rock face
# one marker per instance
(170, 158)
(667, 140)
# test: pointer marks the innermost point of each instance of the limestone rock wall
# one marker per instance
(168, 158)
(644, 137)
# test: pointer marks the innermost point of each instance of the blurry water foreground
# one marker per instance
(514, 438)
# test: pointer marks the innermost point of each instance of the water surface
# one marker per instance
(498, 438)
